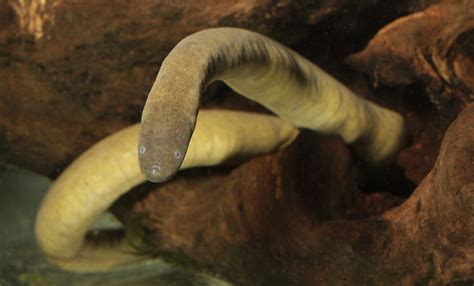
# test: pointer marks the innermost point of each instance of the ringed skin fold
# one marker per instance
(107, 170)
(296, 90)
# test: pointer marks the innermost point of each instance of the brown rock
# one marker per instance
(432, 47)
(255, 226)
(428, 56)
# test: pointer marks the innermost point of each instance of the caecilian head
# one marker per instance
(162, 144)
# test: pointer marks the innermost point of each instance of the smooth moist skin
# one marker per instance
(162, 145)
(263, 70)
(107, 170)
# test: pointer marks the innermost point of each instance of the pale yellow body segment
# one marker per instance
(110, 168)
(265, 71)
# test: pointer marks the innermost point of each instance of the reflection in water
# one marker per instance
(21, 262)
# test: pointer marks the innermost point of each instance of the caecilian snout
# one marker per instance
(159, 164)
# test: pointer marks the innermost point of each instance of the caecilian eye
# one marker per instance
(142, 149)
(177, 154)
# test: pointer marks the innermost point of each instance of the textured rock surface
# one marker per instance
(432, 47)
(434, 227)
(429, 56)
(260, 224)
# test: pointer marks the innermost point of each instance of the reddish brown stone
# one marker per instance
(254, 225)
(428, 56)
(432, 47)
